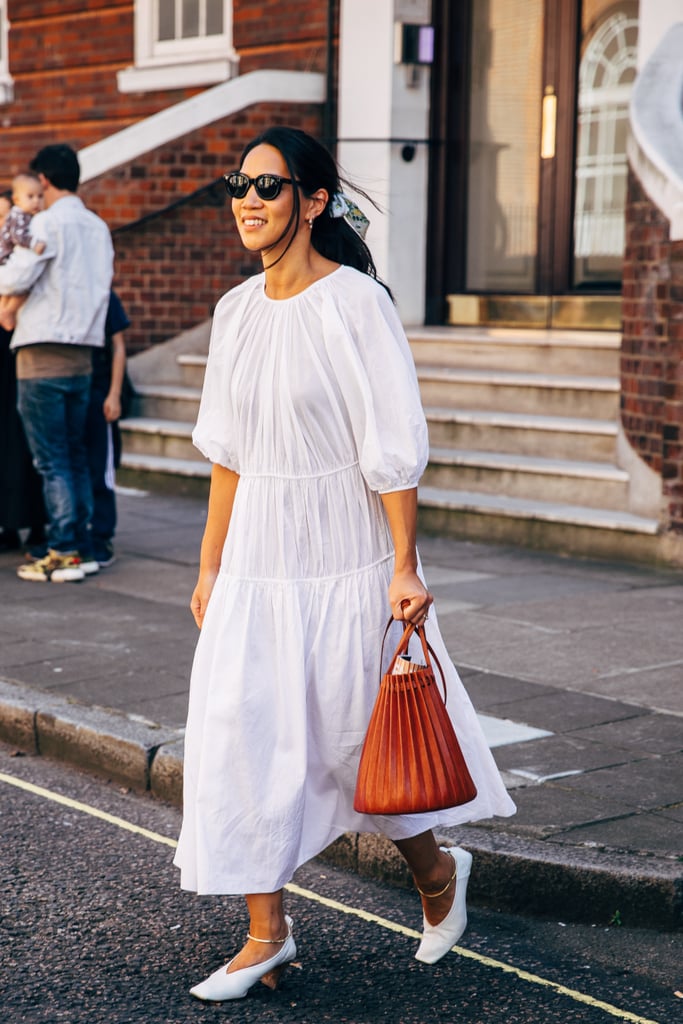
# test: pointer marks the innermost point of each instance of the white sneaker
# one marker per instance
(56, 567)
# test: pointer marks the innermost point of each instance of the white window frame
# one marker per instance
(6, 80)
(177, 63)
(600, 229)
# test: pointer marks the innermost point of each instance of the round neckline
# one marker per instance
(304, 291)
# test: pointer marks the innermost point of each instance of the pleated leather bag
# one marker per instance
(411, 761)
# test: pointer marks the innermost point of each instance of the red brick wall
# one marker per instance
(652, 345)
(173, 261)
(64, 56)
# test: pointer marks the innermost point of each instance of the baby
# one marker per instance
(15, 229)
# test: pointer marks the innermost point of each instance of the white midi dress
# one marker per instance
(314, 401)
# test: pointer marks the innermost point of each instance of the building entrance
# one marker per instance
(531, 116)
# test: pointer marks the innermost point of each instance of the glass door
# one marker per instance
(528, 170)
(503, 168)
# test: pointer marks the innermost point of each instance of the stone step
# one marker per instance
(590, 484)
(584, 353)
(147, 436)
(523, 455)
(560, 437)
(540, 394)
(159, 473)
(192, 367)
(592, 353)
(567, 529)
(167, 402)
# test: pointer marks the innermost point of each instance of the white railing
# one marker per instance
(206, 107)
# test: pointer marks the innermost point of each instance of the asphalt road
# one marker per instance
(94, 929)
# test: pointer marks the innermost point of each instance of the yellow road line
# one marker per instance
(94, 812)
(469, 954)
(364, 915)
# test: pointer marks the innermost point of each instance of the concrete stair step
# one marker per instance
(148, 436)
(167, 402)
(517, 456)
(591, 484)
(537, 393)
(192, 368)
(592, 353)
(565, 528)
(561, 437)
(595, 353)
(160, 473)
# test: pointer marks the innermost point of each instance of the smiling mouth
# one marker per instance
(253, 222)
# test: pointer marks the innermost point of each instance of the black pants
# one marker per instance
(21, 489)
(103, 444)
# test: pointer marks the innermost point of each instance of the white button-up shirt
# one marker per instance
(68, 283)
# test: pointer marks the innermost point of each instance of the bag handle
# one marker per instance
(427, 649)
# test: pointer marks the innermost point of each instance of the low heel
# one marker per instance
(272, 979)
(223, 985)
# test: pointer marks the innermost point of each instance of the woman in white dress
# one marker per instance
(311, 416)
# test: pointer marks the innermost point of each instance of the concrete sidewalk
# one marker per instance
(576, 668)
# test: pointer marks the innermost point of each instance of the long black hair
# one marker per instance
(313, 167)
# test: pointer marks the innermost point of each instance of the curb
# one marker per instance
(122, 747)
(516, 875)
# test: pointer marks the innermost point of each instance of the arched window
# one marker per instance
(606, 75)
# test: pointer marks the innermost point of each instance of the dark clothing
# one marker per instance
(116, 322)
(103, 439)
(21, 500)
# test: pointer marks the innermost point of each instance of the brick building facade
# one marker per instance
(175, 250)
(652, 346)
(72, 65)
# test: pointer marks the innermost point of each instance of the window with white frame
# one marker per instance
(180, 43)
(6, 84)
(606, 75)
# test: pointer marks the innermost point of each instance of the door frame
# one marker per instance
(449, 135)
(562, 26)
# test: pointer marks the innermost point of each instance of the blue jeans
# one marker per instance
(53, 411)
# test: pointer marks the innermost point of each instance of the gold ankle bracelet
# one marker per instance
(275, 942)
(435, 895)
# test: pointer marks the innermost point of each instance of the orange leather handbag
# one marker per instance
(411, 760)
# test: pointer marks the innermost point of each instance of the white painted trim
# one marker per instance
(207, 107)
(6, 89)
(174, 76)
(378, 101)
(6, 80)
(150, 50)
(655, 149)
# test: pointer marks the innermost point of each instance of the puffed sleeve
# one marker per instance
(374, 365)
(215, 433)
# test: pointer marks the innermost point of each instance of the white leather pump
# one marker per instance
(221, 986)
(438, 939)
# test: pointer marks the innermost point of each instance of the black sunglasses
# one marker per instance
(268, 186)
